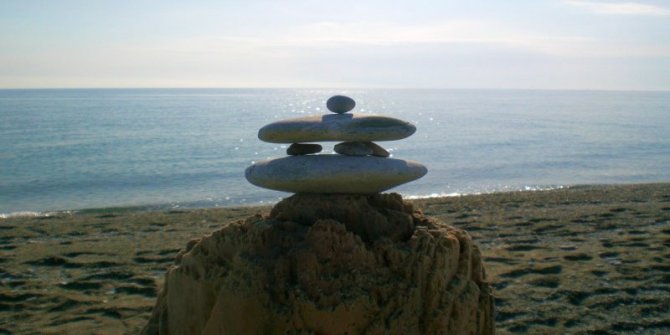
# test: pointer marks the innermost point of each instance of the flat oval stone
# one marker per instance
(336, 127)
(360, 149)
(303, 149)
(340, 104)
(330, 174)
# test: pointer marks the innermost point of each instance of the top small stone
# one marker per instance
(340, 104)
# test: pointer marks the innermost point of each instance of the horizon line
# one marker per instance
(332, 88)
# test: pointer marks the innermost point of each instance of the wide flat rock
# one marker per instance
(332, 174)
(336, 127)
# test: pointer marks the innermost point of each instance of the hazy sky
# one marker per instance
(536, 44)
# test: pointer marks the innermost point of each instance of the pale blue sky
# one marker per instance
(539, 44)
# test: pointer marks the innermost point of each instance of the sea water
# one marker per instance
(91, 148)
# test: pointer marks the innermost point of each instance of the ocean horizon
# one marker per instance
(72, 149)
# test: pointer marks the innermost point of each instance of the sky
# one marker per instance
(516, 44)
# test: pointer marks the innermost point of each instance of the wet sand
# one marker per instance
(580, 260)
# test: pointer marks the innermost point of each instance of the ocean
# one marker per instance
(74, 149)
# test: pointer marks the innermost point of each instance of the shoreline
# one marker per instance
(193, 205)
(581, 259)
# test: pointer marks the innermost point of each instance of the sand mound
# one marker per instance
(329, 265)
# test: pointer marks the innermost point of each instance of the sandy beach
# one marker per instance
(578, 260)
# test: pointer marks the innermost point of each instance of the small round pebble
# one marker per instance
(353, 149)
(297, 149)
(358, 148)
(340, 104)
(377, 150)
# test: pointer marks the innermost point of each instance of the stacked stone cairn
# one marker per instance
(360, 165)
(337, 257)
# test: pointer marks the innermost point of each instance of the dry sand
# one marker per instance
(581, 260)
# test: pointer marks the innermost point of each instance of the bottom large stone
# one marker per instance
(333, 174)
(328, 265)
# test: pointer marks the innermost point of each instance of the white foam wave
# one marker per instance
(433, 195)
(526, 188)
(25, 214)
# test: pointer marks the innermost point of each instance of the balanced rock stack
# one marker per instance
(360, 165)
(338, 257)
